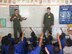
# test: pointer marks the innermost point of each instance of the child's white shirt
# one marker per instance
(67, 50)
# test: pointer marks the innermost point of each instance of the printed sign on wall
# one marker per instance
(65, 15)
(2, 23)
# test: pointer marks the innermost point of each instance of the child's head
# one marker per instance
(21, 34)
(5, 40)
(56, 50)
(16, 40)
(30, 47)
(49, 33)
(68, 42)
(33, 34)
(62, 36)
(34, 44)
(9, 35)
(49, 39)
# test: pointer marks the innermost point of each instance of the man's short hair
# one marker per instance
(16, 9)
(49, 8)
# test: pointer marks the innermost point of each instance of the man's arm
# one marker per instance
(12, 18)
(22, 18)
(44, 19)
(52, 19)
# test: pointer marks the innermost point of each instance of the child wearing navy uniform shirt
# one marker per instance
(38, 48)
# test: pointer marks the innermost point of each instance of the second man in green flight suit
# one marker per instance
(48, 21)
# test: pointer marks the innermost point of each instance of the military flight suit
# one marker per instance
(48, 22)
(16, 24)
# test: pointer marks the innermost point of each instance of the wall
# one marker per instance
(34, 15)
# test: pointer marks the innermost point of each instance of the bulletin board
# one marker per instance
(65, 15)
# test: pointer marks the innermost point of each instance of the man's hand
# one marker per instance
(24, 18)
(14, 17)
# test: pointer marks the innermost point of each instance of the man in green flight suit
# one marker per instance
(16, 18)
(48, 21)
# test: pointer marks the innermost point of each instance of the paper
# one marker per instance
(2, 23)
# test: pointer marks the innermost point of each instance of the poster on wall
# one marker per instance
(65, 14)
(2, 23)
(12, 8)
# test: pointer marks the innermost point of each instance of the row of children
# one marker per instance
(34, 45)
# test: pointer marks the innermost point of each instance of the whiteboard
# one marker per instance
(35, 15)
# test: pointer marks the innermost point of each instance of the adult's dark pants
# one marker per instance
(47, 28)
(16, 31)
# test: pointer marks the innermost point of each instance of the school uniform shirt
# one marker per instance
(63, 42)
(11, 40)
(67, 50)
(25, 45)
(31, 40)
(24, 41)
(50, 49)
(35, 51)
(5, 49)
(19, 48)
(61, 52)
